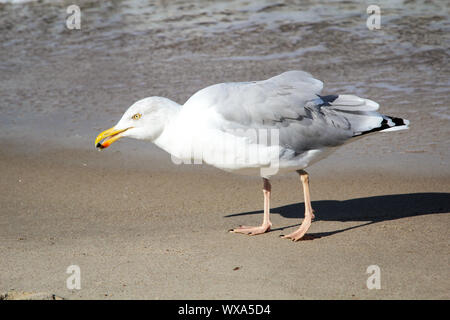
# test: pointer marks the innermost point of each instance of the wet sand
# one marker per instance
(154, 230)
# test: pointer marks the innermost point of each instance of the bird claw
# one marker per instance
(292, 238)
(298, 238)
(252, 231)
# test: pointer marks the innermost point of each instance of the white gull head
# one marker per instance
(144, 120)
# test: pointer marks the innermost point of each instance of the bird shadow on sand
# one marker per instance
(368, 210)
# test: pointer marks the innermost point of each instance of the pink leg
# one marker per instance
(309, 215)
(266, 222)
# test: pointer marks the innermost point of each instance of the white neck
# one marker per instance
(176, 134)
(171, 110)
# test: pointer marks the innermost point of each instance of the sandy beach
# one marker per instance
(140, 227)
(162, 234)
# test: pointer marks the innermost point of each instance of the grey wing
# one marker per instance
(289, 103)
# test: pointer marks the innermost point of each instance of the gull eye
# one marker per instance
(136, 116)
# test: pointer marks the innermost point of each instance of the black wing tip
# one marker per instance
(327, 100)
(397, 121)
(385, 125)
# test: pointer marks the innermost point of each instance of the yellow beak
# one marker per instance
(108, 136)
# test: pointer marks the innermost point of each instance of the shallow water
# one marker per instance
(64, 86)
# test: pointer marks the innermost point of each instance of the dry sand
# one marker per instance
(153, 230)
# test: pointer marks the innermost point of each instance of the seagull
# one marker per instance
(262, 128)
